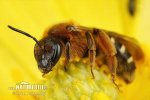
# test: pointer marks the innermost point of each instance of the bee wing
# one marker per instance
(130, 43)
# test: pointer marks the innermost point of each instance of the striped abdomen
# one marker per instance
(126, 65)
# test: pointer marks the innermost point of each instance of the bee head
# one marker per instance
(48, 56)
(46, 51)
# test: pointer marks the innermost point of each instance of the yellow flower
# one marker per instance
(17, 62)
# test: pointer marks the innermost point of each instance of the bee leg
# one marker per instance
(112, 64)
(92, 50)
(67, 55)
(108, 48)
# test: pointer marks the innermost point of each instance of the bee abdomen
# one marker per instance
(126, 65)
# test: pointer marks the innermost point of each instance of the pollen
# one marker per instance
(77, 82)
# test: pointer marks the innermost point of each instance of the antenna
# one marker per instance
(25, 33)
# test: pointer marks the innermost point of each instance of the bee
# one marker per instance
(69, 40)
